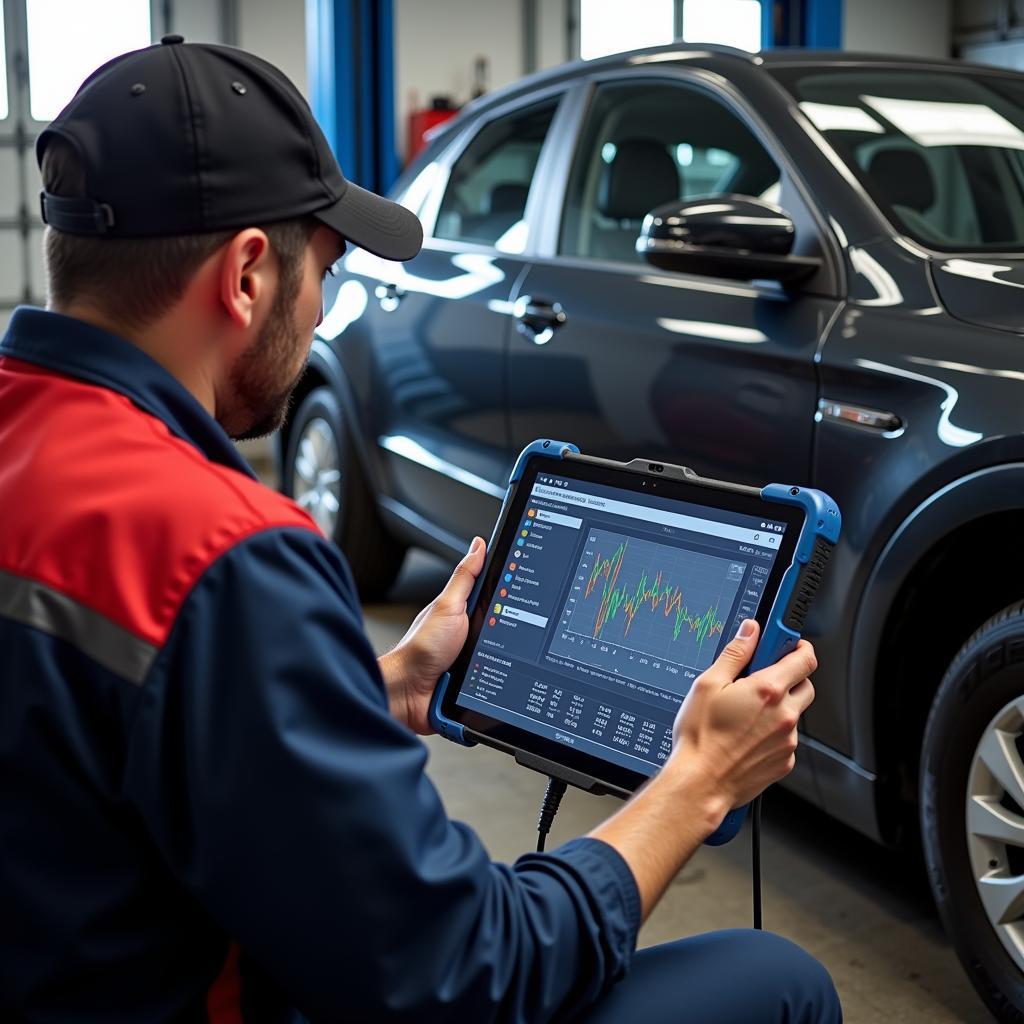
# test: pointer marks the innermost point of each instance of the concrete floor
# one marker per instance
(864, 912)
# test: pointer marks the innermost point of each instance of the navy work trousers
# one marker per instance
(727, 977)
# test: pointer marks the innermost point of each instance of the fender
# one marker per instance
(985, 491)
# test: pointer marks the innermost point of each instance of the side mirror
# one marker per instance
(737, 237)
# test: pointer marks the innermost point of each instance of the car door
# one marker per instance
(715, 374)
(439, 326)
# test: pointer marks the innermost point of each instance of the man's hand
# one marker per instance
(742, 732)
(733, 737)
(427, 650)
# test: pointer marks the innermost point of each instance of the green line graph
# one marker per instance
(636, 603)
(657, 594)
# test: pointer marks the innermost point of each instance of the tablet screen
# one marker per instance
(607, 604)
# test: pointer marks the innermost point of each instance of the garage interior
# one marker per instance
(383, 78)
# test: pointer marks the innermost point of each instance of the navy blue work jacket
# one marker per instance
(206, 811)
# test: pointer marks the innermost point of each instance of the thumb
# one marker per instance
(460, 586)
(737, 653)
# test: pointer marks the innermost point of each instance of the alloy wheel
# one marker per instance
(995, 825)
(316, 484)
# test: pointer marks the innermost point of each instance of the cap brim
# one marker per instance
(374, 223)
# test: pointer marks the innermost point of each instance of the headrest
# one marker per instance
(641, 176)
(904, 178)
(508, 197)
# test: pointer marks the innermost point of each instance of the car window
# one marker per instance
(485, 201)
(646, 144)
(941, 153)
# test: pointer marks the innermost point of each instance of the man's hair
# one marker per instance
(135, 281)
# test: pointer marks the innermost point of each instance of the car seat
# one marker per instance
(906, 183)
(505, 205)
(640, 176)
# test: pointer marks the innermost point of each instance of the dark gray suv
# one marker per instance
(796, 267)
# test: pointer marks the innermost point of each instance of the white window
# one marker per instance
(729, 22)
(611, 26)
(5, 106)
(69, 39)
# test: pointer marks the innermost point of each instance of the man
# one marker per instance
(212, 801)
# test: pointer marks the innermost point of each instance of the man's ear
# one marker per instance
(248, 272)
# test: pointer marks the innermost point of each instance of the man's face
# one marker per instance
(265, 377)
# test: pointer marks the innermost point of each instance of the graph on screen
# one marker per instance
(636, 605)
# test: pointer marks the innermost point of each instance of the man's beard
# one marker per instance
(256, 377)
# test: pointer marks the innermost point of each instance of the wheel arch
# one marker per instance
(903, 639)
(324, 369)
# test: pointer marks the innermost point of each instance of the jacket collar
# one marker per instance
(77, 349)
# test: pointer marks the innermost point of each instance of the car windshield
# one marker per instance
(942, 153)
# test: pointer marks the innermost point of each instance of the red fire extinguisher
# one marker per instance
(421, 121)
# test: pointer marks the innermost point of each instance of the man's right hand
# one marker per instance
(733, 737)
(740, 733)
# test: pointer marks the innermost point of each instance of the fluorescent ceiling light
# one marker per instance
(831, 117)
(933, 123)
(727, 22)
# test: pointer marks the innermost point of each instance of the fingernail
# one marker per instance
(475, 545)
(746, 629)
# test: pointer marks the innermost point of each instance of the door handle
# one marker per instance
(389, 296)
(538, 320)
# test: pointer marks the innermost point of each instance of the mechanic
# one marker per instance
(213, 804)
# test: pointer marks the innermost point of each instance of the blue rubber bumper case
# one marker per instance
(785, 622)
(546, 448)
(788, 616)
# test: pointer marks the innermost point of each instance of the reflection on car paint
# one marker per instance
(981, 271)
(478, 274)
(949, 433)
(716, 332)
(348, 306)
(945, 364)
(414, 451)
(886, 289)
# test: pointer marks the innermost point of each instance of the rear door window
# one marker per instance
(485, 200)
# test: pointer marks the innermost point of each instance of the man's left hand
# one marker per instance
(427, 650)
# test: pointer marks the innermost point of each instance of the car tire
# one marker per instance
(972, 809)
(322, 474)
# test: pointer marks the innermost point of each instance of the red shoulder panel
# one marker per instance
(101, 502)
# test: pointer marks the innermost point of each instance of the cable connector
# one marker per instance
(548, 809)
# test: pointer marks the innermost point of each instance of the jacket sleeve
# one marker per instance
(284, 796)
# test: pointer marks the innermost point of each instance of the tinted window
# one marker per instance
(485, 200)
(645, 145)
(941, 153)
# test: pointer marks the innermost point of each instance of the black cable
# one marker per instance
(755, 858)
(548, 809)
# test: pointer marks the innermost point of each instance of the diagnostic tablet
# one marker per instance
(608, 588)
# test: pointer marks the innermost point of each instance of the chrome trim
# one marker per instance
(407, 448)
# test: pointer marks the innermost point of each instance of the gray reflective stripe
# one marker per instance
(112, 646)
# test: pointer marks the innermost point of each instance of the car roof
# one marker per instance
(714, 57)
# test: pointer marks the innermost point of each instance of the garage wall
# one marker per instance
(436, 42)
(276, 31)
(915, 28)
(990, 32)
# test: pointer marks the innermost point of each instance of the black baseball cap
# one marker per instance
(184, 138)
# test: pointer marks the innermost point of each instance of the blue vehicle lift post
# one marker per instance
(815, 24)
(351, 63)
